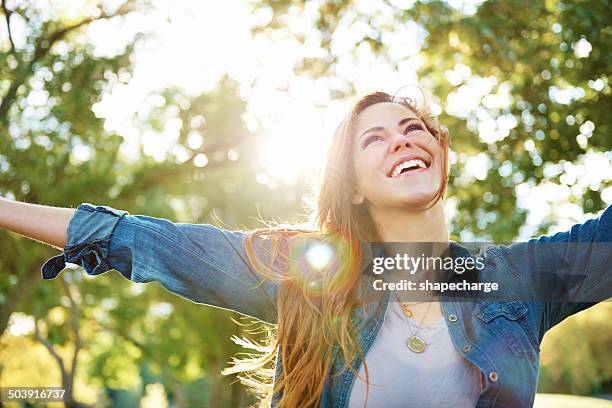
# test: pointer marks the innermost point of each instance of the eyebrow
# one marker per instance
(400, 123)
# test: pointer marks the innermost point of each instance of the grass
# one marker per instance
(569, 401)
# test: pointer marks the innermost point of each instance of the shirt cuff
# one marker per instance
(88, 241)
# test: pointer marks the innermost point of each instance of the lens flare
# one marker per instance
(319, 256)
(319, 263)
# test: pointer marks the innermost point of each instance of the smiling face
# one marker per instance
(397, 162)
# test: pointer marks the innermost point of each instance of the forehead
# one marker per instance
(385, 114)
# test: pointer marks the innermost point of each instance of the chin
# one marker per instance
(416, 200)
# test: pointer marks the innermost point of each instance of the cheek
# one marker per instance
(436, 152)
(440, 159)
(439, 166)
(367, 166)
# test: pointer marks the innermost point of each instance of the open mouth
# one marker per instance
(412, 165)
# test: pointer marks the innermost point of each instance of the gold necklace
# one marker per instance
(415, 343)
(406, 307)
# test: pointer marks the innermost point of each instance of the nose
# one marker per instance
(400, 142)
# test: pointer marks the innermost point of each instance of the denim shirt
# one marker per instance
(209, 265)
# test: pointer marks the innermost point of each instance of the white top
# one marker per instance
(438, 377)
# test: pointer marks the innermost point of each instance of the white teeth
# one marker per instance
(407, 164)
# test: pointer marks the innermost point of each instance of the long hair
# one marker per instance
(312, 322)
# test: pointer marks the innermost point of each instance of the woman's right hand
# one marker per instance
(38, 222)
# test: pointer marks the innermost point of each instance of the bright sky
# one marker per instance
(188, 53)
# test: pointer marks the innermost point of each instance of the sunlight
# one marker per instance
(297, 124)
(20, 324)
(73, 11)
(293, 148)
(297, 127)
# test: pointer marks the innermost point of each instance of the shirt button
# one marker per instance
(452, 317)
(467, 348)
(493, 376)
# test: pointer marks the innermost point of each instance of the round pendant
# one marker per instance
(416, 344)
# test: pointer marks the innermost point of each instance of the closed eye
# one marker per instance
(371, 139)
(414, 126)
(374, 138)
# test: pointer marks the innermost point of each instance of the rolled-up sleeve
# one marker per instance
(200, 262)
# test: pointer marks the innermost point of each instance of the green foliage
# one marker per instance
(55, 150)
(576, 356)
(525, 48)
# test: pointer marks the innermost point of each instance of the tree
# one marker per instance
(544, 68)
(56, 151)
(37, 138)
(67, 368)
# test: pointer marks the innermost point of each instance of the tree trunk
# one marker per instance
(20, 291)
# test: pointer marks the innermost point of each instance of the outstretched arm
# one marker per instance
(197, 261)
(200, 262)
(39, 222)
(570, 270)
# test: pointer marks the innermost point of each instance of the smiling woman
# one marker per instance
(384, 153)
(360, 202)
(336, 342)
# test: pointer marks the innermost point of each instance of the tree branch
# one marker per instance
(49, 346)
(153, 179)
(125, 336)
(43, 47)
(74, 323)
(7, 18)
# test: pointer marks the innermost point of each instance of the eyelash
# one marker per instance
(371, 138)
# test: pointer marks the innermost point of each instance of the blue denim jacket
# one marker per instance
(208, 265)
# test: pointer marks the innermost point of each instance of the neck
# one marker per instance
(401, 225)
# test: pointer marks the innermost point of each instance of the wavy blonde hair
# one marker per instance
(311, 324)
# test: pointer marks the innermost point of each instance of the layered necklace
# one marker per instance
(415, 343)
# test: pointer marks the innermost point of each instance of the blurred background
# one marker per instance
(220, 112)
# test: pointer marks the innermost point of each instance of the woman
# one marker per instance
(385, 177)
